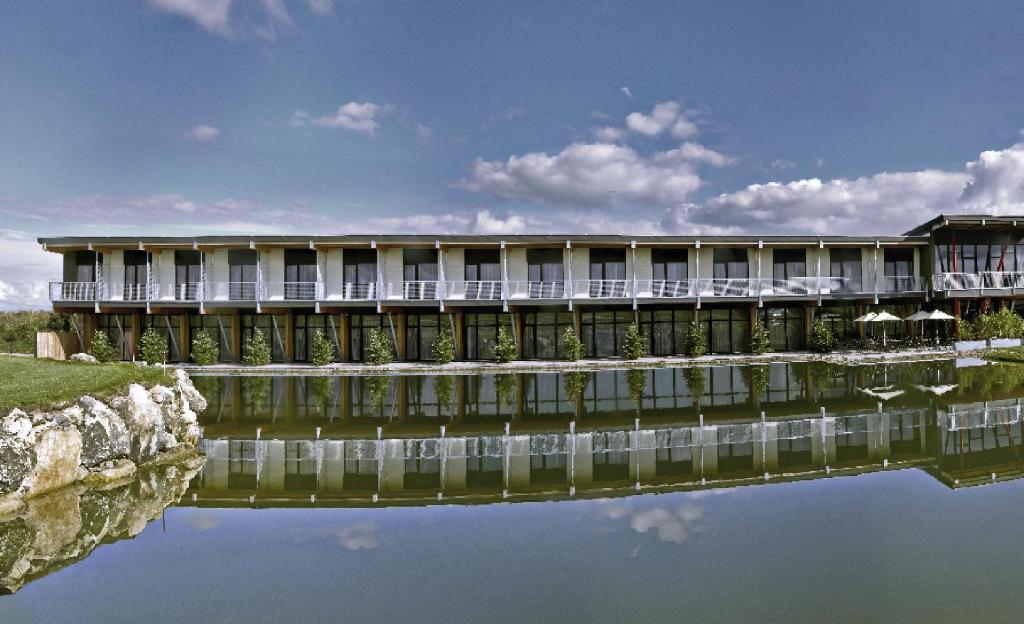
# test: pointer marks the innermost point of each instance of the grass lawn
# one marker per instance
(1006, 355)
(30, 383)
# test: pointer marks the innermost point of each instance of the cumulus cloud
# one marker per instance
(669, 525)
(320, 7)
(626, 90)
(358, 116)
(203, 133)
(424, 133)
(238, 19)
(609, 134)
(210, 15)
(588, 174)
(25, 270)
(665, 116)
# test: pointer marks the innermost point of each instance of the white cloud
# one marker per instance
(210, 15)
(203, 133)
(320, 7)
(589, 174)
(665, 116)
(997, 182)
(424, 133)
(626, 90)
(25, 270)
(609, 134)
(358, 116)
(670, 525)
(782, 164)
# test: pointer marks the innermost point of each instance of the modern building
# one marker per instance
(537, 285)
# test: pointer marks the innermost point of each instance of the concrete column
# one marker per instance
(519, 461)
(185, 337)
(236, 336)
(584, 459)
(455, 464)
(642, 455)
(332, 466)
(272, 473)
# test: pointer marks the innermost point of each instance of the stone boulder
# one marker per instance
(84, 357)
(104, 434)
(144, 418)
(58, 460)
(17, 452)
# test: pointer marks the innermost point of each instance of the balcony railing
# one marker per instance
(978, 281)
(495, 290)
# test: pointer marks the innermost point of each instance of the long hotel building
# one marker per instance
(412, 285)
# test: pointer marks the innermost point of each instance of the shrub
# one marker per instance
(757, 380)
(571, 345)
(321, 389)
(965, 329)
(636, 381)
(575, 383)
(694, 376)
(634, 345)
(379, 350)
(258, 389)
(760, 343)
(505, 388)
(101, 348)
(257, 350)
(1002, 324)
(378, 388)
(505, 347)
(205, 350)
(822, 339)
(696, 339)
(152, 346)
(444, 389)
(323, 349)
(444, 346)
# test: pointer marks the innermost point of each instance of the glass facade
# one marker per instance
(360, 326)
(419, 270)
(480, 333)
(607, 272)
(546, 273)
(306, 326)
(728, 329)
(219, 328)
(136, 275)
(242, 269)
(274, 328)
(188, 274)
(420, 333)
(785, 327)
(360, 273)
(845, 264)
(729, 265)
(666, 330)
(300, 274)
(603, 333)
(118, 328)
(542, 334)
(840, 320)
(169, 328)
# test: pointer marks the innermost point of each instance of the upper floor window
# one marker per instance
(360, 266)
(546, 273)
(483, 265)
(136, 274)
(81, 266)
(845, 269)
(730, 263)
(242, 264)
(188, 268)
(299, 273)
(420, 273)
(788, 263)
(669, 264)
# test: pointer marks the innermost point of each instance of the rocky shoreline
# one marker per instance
(96, 443)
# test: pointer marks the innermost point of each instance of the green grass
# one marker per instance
(30, 383)
(1015, 354)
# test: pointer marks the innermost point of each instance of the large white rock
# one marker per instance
(104, 434)
(58, 457)
(84, 357)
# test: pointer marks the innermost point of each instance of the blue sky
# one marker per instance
(332, 116)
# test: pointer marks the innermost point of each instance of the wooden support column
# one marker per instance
(289, 336)
(236, 336)
(344, 340)
(577, 321)
(184, 337)
(400, 324)
(858, 311)
(753, 316)
(89, 322)
(517, 320)
(460, 343)
(136, 334)
(808, 321)
(956, 313)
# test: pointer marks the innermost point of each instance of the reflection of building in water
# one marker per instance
(355, 440)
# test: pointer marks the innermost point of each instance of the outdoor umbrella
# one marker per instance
(934, 315)
(877, 317)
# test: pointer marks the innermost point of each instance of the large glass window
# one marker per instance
(306, 326)
(542, 334)
(219, 328)
(274, 331)
(604, 332)
(731, 271)
(480, 334)
(670, 272)
(728, 330)
(136, 275)
(789, 267)
(785, 328)
(899, 270)
(840, 320)
(666, 329)
(607, 272)
(483, 273)
(118, 328)
(420, 333)
(81, 270)
(546, 273)
(845, 267)
(188, 274)
(360, 326)
(420, 273)
(360, 268)
(242, 265)
(169, 328)
(300, 274)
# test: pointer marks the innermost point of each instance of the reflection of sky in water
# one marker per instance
(895, 546)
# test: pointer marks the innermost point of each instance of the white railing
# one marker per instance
(420, 290)
(474, 290)
(980, 417)
(75, 291)
(186, 291)
(902, 283)
(135, 292)
(978, 281)
(355, 291)
(602, 289)
(536, 290)
(229, 291)
(666, 289)
(290, 291)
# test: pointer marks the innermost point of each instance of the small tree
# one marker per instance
(378, 389)
(152, 346)
(575, 383)
(1002, 324)
(257, 350)
(634, 345)
(444, 389)
(444, 346)
(694, 376)
(757, 380)
(760, 342)
(822, 339)
(101, 348)
(965, 329)
(379, 350)
(696, 339)
(571, 345)
(636, 381)
(323, 349)
(505, 347)
(505, 388)
(205, 350)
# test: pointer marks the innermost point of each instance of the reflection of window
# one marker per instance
(422, 466)
(361, 465)
(674, 455)
(484, 462)
(611, 455)
(299, 465)
(241, 465)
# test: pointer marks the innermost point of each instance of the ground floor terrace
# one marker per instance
(538, 330)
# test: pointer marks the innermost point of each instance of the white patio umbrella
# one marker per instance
(934, 315)
(877, 317)
(884, 393)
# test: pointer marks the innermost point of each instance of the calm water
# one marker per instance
(613, 496)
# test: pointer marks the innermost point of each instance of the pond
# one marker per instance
(776, 493)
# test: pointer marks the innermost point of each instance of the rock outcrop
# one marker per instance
(44, 451)
(60, 528)
(84, 357)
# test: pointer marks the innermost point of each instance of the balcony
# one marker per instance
(984, 280)
(205, 292)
